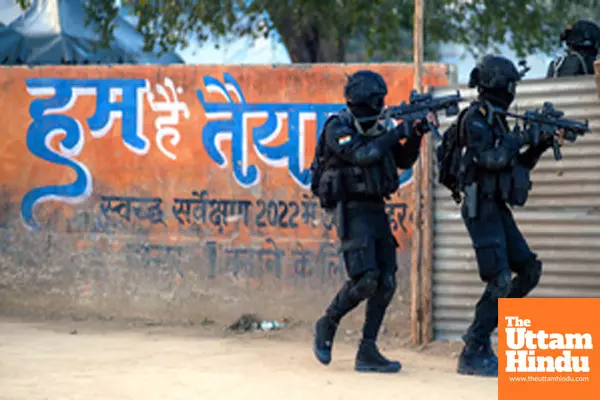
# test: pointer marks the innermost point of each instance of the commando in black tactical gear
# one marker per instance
(583, 41)
(360, 164)
(494, 177)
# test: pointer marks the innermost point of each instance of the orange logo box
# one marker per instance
(549, 349)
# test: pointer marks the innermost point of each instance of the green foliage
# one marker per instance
(324, 30)
(24, 3)
(168, 24)
(533, 26)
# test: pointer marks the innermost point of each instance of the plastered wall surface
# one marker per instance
(175, 192)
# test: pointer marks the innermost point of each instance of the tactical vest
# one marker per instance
(378, 180)
(583, 62)
(510, 185)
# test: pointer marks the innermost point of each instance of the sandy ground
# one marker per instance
(77, 360)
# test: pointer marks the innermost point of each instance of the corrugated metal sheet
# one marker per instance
(561, 220)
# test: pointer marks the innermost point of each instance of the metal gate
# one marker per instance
(561, 220)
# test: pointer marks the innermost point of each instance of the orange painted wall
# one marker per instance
(110, 163)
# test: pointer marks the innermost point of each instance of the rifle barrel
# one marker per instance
(438, 103)
(548, 120)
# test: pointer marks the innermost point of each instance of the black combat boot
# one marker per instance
(487, 349)
(324, 332)
(369, 359)
(478, 359)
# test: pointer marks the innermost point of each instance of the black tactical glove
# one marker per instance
(527, 137)
(544, 139)
(421, 127)
(402, 131)
(547, 139)
(425, 125)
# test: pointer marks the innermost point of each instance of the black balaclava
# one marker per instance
(500, 97)
(362, 110)
(586, 51)
(583, 37)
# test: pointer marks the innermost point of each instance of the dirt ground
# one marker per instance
(63, 360)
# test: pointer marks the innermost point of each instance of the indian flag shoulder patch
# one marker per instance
(344, 139)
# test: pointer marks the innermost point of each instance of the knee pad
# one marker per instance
(388, 287)
(365, 286)
(500, 286)
(530, 277)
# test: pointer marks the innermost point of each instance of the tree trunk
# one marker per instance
(307, 36)
(312, 45)
(308, 39)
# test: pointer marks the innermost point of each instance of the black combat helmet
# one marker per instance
(496, 77)
(582, 34)
(365, 88)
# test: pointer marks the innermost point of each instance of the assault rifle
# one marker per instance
(549, 120)
(419, 106)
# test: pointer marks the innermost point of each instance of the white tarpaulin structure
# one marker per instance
(54, 31)
(231, 50)
(9, 11)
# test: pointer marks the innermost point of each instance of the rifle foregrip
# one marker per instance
(435, 131)
(556, 150)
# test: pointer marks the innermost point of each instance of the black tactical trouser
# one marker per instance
(369, 251)
(501, 250)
